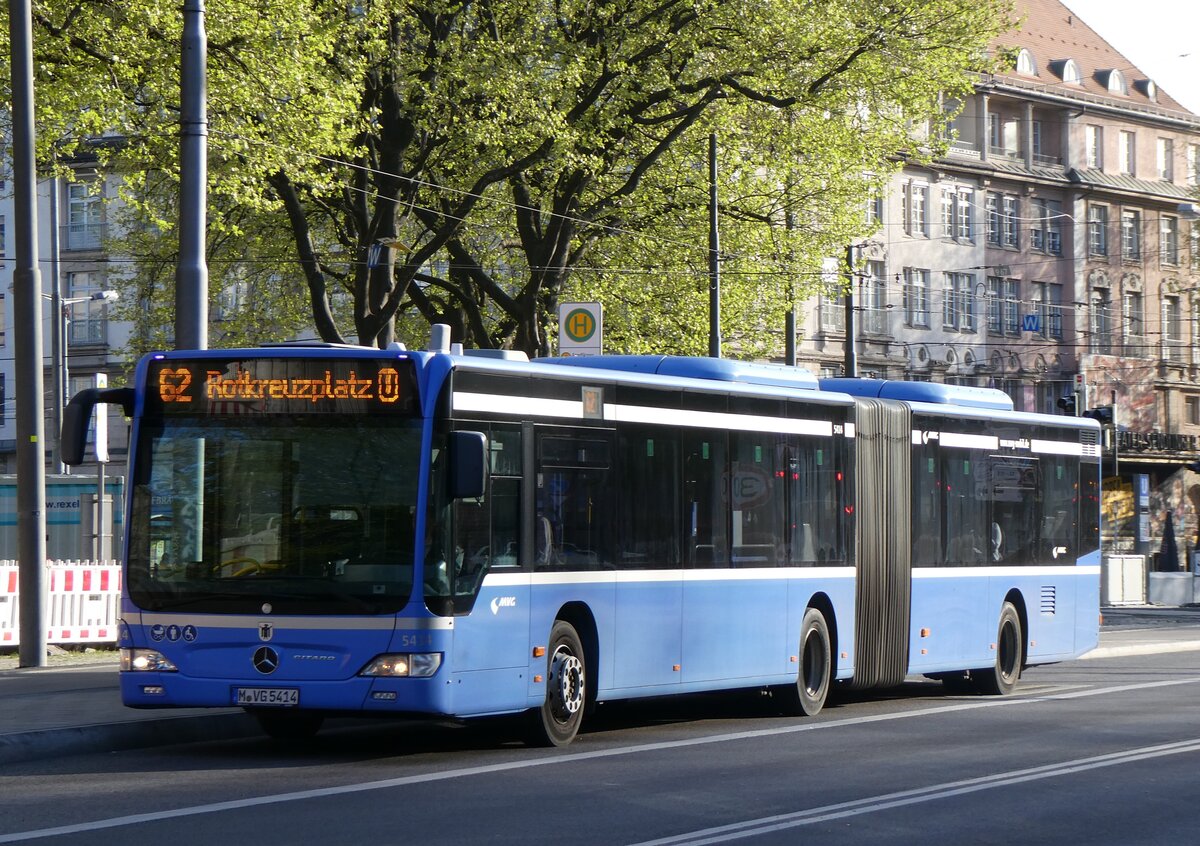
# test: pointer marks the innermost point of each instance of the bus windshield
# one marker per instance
(309, 514)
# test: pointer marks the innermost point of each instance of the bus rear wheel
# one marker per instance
(1001, 679)
(557, 722)
(807, 696)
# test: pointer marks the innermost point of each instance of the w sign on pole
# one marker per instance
(580, 329)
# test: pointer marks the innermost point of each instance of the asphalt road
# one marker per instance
(1100, 751)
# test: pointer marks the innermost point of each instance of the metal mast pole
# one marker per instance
(851, 330)
(191, 277)
(58, 335)
(27, 301)
(714, 255)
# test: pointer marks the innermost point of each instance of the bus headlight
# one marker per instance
(145, 661)
(404, 664)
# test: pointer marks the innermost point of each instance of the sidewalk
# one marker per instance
(74, 706)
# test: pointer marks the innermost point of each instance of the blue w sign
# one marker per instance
(1031, 323)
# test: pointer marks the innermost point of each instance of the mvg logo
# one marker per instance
(503, 602)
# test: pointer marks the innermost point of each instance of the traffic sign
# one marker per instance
(580, 328)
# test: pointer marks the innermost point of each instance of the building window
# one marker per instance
(3, 401)
(1098, 230)
(948, 197)
(1100, 324)
(85, 217)
(915, 208)
(920, 211)
(1133, 317)
(1002, 219)
(1192, 404)
(3, 321)
(1046, 232)
(1025, 63)
(1172, 322)
(1048, 298)
(1194, 231)
(916, 297)
(1166, 159)
(1012, 307)
(958, 302)
(1010, 221)
(875, 210)
(3, 242)
(965, 201)
(1169, 240)
(874, 299)
(1036, 130)
(1131, 235)
(1193, 164)
(1126, 153)
(1095, 147)
(1116, 83)
(1004, 306)
(833, 312)
(86, 319)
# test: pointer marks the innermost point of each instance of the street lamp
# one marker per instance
(58, 336)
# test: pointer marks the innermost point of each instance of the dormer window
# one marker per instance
(1067, 70)
(1025, 63)
(1147, 87)
(1114, 81)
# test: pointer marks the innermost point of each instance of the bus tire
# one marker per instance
(289, 725)
(557, 721)
(807, 696)
(1001, 679)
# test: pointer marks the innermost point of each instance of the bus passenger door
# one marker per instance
(491, 588)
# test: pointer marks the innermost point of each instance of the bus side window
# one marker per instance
(574, 494)
(705, 498)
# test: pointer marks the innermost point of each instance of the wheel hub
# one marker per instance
(566, 682)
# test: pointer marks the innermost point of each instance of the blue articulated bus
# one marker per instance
(329, 530)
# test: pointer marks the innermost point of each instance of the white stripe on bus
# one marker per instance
(465, 401)
(502, 579)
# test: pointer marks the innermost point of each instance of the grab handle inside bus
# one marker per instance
(78, 414)
(468, 465)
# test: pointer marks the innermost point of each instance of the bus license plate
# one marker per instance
(273, 696)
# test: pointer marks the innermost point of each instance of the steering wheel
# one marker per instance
(238, 567)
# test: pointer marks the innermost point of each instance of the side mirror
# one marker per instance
(78, 414)
(468, 465)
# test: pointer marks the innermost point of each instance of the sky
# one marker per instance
(1162, 37)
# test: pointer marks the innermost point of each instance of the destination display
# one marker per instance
(281, 386)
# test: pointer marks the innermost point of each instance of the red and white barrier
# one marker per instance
(82, 602)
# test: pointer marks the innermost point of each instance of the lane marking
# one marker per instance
(887, 801)
(571, 758)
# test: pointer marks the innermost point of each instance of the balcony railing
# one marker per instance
(83, 236)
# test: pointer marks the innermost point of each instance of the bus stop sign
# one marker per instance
(580, 329)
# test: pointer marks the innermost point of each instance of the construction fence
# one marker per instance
(83, 600)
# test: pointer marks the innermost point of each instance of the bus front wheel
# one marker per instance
(807, 696)
(1001, 679)
(557, 722)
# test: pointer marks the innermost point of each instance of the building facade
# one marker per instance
(72, 250)
(1053, 253)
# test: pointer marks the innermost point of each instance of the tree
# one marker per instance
(473, 161)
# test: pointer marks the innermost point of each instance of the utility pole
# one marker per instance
(851, 367)
(191, 276)
(714, 255)
(27, 306)
(58, 337)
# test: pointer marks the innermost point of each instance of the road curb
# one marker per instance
(117, 737)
